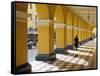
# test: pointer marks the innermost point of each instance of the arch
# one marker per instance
(45, 32)
(59, 14)
(42, 11)
(69, 18)
(45, 11)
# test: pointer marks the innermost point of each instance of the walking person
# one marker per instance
(76, 42)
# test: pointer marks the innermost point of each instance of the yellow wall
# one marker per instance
(60, 38)
(51, 35)
(44, 39)
(75, 26)
(79, 30)
(21, 34)
(69, 36)
(80, 35)
(89, 30)
(60, 31)
(21, 43)
(59, 15)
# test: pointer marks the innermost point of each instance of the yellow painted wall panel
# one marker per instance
(51, 37)
(21, 34)
(21, 43)
(69, 36)
(43, 39)
(80, 35)
(69, 19)
(66, 37)
(60, 40)
(75, 32)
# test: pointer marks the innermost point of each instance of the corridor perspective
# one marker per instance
(83, 58)
(45, 37)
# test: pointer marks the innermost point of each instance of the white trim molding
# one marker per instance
(59, 25)
(69, 27)
(45, 22)
(21, 15)
(75, 27)
(84, 30)
(20, 20)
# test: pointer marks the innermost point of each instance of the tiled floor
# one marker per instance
(83, 58)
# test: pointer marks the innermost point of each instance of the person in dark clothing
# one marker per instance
(76, 42)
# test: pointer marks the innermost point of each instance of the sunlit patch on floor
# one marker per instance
(39, 66)
(72, 59)
(79, 52)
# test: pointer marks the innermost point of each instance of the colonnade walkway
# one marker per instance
(54, 24)
(82, 58)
